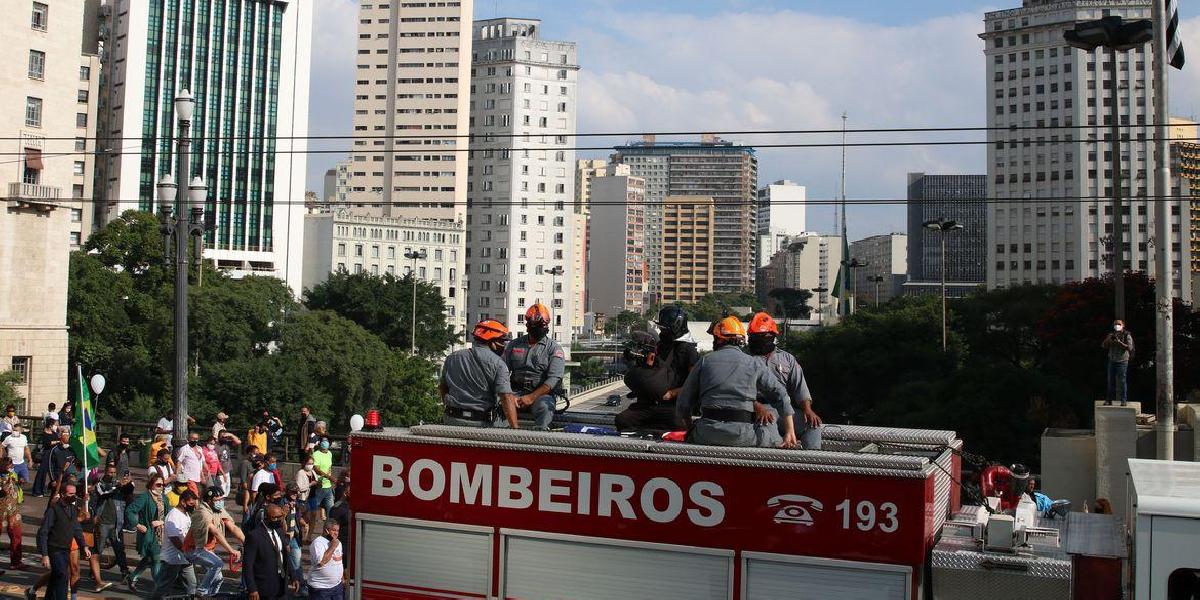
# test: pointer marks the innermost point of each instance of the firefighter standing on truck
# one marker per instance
(537, 364)
(725, 385)
(475, 381)
(762, 345)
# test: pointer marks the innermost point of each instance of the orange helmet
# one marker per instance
(537, 314)
(490, 330)
(763, 323)
(730, 330)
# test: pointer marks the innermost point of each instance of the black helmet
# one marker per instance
(642, 345)
(672, 322)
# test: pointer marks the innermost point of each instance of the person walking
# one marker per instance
(326, 569)
(190, 463)
(49, 441)
(62, 459)
(146, 515)
(16, 447)
(175, 562)
(321, 494)
(211, 527)
(109, 497)
(8, 421)
(266, 574)
(306, 424)
(307, 482)
(725, 385)
(762, 345)
(536, 363)
(274, 429)
(216, 473)
(120, 456)
(1119, 344)
(247, 467)
(10, 511)
(61, 527)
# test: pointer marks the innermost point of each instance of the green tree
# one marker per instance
(624, 322)
(8, 393)
(794, 302)
(383, 305)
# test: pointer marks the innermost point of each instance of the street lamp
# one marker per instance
(414, 255)
(554, 272)
(177, 227)
(819, 291)
(1117, 35)
(943, 227)
(876, 279)
(851, 265)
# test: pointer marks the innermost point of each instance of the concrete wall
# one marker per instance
(1069, 465)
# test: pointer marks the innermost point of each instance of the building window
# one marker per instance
(41, 16)
(77, 190)
(37, 64)
(76, 215)
(82, 97)
(341, 250)
(85, 73)
(33, 111)
(81, 120)
(78, 169)
(20, 365)
(75, 238)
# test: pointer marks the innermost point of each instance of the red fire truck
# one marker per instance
(447, 512)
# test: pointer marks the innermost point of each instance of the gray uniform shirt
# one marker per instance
(473, 384)
(784, 366)
(731, 379)
(539, 363)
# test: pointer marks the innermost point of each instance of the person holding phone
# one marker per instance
(326, 568)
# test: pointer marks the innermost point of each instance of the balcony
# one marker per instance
(33, 191)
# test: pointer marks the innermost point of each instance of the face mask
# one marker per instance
(219, 505)
(193, 443)
(308, 467)
(68, 500)
(271, 467)
(122, 445)
(761, 345)
(324, 445)
(275, 524)
(666, 335)
(1118, 327)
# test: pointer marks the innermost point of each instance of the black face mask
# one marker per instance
(666, 336)
(761, 345)
(193, 443)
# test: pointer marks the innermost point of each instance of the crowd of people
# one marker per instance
(179, 515)
(747, 392)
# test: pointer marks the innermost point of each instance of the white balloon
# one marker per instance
(356, 423)
(98, 383)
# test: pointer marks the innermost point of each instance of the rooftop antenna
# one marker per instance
(843, 204)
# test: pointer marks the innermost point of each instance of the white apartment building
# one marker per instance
(886, 258)
(585, 170)
(247, 65)
(341, 240)
(1061, 229)
(336, 190)
(655, 169)
(411, 100)
(617, 263)
(781, 212)
(522, 174)
(809, 261)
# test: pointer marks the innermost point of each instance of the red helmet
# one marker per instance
(537, 314)
(763, 323)
(490, 330)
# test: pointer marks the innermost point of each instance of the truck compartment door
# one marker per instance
(774, 576)
(400, 558)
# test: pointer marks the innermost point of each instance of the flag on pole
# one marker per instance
(839, 285)
(1174, 42)
(83, 432)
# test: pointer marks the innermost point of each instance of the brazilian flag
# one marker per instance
(83, 432)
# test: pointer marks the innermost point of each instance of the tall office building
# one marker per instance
(886, 259)
(713, 168)
(809, 261)
(585, 171)
(1059, 164)
(781, 212)
(1185, 167)
(617, 264)
(247, 65)
(689, 234)
(411, 109)
(523, 174)
(959, 198)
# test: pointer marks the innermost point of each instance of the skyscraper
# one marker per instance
(585, 171)
(959, 198)
(246, 63)
(523, 174)
(886, 258)
(618, 260)
(1057, 166)
(712, 168)
(781, 212)
(689, 254)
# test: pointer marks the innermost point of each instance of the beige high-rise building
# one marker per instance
(585, 171)
(689, 236)
(47, 124)
(617, 263)
(412, 109)
(809, 261)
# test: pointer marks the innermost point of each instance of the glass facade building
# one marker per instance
(961, 198)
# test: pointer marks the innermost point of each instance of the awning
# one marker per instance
(33, 159)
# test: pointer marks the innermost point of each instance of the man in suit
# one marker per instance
(266, 573)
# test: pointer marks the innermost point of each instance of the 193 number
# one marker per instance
(866, 516)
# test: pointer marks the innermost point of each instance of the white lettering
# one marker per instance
(615, 489)
(513, 488)
(387, 480)
(674, 500)
(704, 494)
(583, 498)
(437, 485)
(547, 490)
(466, 487)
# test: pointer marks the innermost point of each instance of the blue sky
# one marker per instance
(740, 65)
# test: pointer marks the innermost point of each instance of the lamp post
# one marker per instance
(943, 227)
(851, 265)
(178, 227)
(1117, 35)
(876, 279)
(414, 255)
(819, 291)
(554, 272)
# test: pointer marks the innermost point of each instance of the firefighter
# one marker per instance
(725, 385)
(537, 364)
(648, 380)
(676, 348)
(763, 335)
(475, 381)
